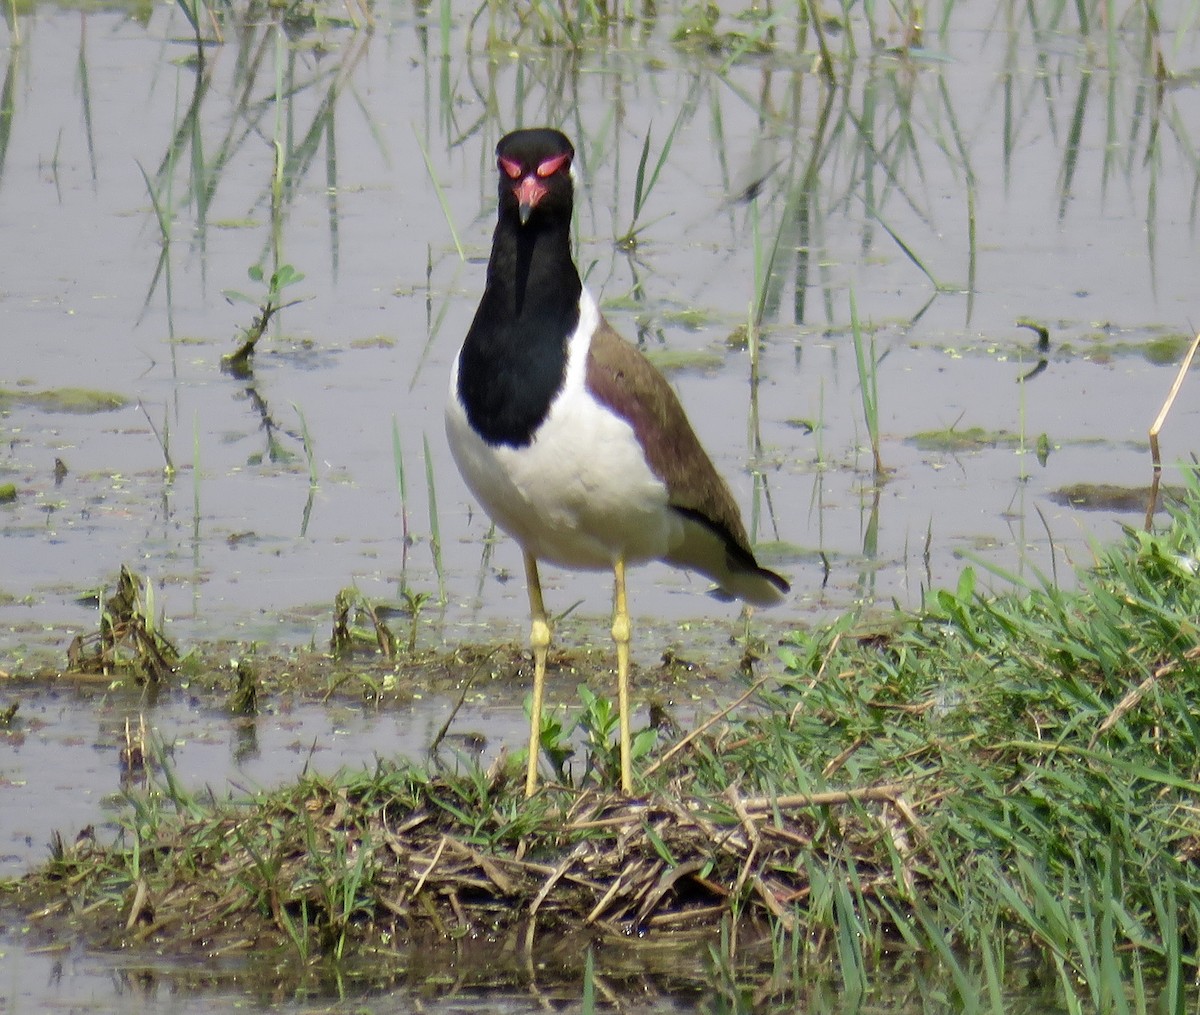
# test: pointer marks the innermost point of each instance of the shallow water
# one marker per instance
(242, 546)
(1032, 176)
(70, 741)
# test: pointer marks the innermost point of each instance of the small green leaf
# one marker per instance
(966, 585)
(643, 743)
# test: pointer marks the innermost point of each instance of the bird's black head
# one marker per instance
(535, 173)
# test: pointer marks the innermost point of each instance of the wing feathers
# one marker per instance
(716, 543)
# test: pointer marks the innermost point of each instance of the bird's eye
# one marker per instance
(511, 168)
(553, 165)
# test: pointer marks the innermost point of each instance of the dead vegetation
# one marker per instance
(395, 856)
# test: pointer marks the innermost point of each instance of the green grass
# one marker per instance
(644, 184)
(1003, 784)
(866, 362)
(196, 477)
(435, 527)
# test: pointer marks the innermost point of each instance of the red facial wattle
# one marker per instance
(530, 188)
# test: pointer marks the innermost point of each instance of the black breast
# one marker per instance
(509, 375)
(514, 359)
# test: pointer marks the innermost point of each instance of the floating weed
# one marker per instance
(672, 360)
(413, 604)
(129, 639)
(76, 401)
(956, 440)
(1106, 496)
(245, 698)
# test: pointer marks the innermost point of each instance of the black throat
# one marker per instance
(514, 359)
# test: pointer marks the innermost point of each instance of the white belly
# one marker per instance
(580, 495)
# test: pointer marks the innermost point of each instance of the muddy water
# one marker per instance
(1004, 174)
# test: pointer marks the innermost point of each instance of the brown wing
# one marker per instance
(621, 377)
(714, 540)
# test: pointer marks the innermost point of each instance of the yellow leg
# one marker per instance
(539, 640)
(621, 633)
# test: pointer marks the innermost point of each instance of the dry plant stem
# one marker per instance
(718, 716)
(139, 903)
(462, 697)
(494, 874)
(739, 808)
(666, 881)
(835, 764)
(786, 917)
(429, 870)
(814, 18)
(710, 721)
(1130, 701)
(887, 792)
(1158, 424)
(820, 673)
(555, 876)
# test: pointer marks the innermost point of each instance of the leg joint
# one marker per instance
(539, 633)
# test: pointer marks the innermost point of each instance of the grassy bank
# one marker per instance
(1002, 784)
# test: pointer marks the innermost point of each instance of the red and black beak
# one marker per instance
(529, 192)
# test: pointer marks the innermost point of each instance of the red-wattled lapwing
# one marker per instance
(571, 440)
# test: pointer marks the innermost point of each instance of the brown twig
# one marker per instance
(709, 722)
(886, 792)
(1131, 699)
(1158, 424)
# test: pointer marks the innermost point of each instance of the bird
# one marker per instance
(574, 443)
